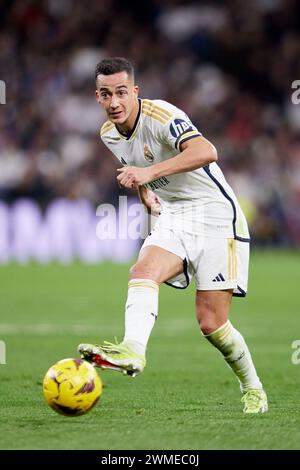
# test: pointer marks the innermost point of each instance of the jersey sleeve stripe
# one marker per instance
(154, 116)
(107, 126)
(105, 129)
(110, 124)
(158, 109)
(147, 107)
(153, 105)
(187, 136)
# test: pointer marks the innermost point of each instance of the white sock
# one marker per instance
(237, 355)
(141, 313)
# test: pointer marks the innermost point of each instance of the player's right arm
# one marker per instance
(194, 153)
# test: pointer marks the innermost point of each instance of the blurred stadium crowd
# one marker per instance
(230, 65)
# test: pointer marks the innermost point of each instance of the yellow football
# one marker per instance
(72, 387)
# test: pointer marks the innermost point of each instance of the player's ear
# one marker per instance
(136, 90)
(97, 96)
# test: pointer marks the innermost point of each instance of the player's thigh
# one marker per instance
(212, 308)
(157, 264)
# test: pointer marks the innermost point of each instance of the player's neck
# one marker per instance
(128, 126)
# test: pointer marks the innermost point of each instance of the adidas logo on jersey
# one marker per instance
(219, 278)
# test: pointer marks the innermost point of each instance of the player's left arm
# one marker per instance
(194, 153)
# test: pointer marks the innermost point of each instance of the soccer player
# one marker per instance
(200, 232)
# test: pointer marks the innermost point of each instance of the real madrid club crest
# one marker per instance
(148, 154)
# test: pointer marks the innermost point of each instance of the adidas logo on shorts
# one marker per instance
(219, 278)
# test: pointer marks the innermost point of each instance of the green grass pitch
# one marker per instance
(187, 398)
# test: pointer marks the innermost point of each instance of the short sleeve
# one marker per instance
(179, 129)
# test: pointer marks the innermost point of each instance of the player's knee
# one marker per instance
(142, 270)
(207, 321)
(208, 328)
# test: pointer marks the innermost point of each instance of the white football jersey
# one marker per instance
(202, 196)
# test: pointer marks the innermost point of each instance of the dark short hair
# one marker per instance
(114, 65)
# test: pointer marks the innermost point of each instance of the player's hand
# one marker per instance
(152, 204)
(132, 176)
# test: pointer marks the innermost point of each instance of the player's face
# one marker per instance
(118, 96)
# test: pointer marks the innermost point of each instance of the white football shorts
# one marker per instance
(215, 263)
